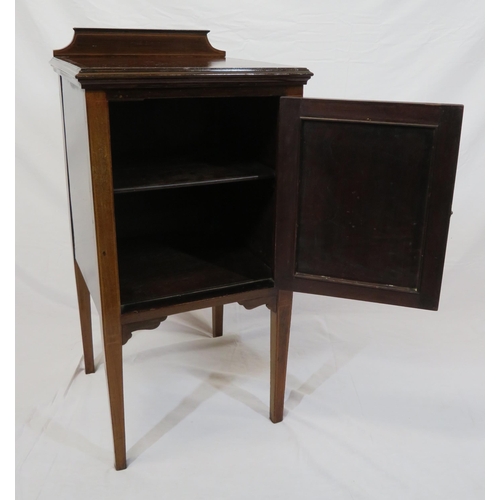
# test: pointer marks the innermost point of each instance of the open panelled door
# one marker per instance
(364, 198)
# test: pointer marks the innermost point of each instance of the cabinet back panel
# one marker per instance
(195, 129)
(237, 214)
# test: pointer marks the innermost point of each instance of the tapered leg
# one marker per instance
(217, 320)
(97, 109)
(114, 374)
(85, 320)
(280, 334)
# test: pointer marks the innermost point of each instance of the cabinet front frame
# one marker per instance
(229, 91)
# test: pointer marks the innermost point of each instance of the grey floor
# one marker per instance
(382, 403)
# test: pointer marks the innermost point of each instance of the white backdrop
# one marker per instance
(382, 402)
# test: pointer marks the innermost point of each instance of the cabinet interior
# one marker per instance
(194, 197)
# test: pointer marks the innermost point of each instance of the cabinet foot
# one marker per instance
(217, 320)
(85, 320)
(280, 334)
(114, 373)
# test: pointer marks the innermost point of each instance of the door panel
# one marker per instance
(364, 198)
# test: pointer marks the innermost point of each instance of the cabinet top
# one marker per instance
(124, 58)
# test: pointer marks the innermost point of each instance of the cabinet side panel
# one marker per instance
(80, 185)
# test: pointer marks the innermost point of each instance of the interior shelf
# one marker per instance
(155, 272)
(145, 175)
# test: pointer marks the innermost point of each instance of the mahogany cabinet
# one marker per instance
(196, 181)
